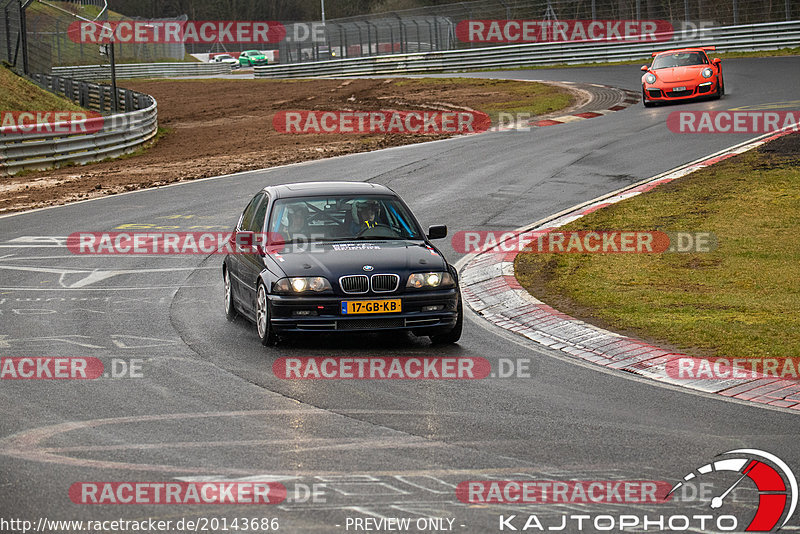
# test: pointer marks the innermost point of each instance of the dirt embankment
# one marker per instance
(215, 127)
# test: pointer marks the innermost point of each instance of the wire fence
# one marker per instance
(36, 38)
(435, 28)
(11, 20)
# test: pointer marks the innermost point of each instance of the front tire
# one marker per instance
(230, 309)
(455, 334)
(265, 332)
(645, 102)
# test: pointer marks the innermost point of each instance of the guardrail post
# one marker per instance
(430, 35)
(114, 106)
(23, 34)
(369, 39)
(83, 100)
(8, 32)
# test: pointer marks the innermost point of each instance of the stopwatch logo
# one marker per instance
(775, 482)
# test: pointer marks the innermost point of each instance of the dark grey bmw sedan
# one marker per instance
(339, 257)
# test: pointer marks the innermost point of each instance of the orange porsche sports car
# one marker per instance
(682, 74)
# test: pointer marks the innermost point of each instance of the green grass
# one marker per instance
(19, 94)
(741, 300)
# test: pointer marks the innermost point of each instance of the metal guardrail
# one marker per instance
(766, 36)
(92, 96)
(143, 70)
(119, 134)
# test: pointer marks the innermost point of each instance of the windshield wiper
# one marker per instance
(373, 238)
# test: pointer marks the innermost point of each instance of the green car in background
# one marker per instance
(250, 58)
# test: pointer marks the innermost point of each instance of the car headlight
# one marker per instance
(650, 77)
(707, 73)
(302, 284)
(436, 280)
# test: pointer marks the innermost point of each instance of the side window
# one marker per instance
(247, 217)
(257, 224)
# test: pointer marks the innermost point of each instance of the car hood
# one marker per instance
(680, 74)
(333, 260)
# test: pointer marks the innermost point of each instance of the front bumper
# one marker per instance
(284, 313)
(667, 94)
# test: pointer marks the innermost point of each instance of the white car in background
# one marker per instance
(225, 58)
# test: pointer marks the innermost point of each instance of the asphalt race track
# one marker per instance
(208, 404)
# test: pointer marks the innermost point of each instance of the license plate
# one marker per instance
(679, 89)
(350, 307)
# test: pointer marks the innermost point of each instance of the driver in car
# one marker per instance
(365, 215)
(297, 227)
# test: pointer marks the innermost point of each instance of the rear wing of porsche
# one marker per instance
(706, 48)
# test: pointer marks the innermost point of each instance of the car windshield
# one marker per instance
(342, 218)
(224, 57)
(679, 59)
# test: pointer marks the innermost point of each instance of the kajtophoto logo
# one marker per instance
(775, 482)
(719, 496)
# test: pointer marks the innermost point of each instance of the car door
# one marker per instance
(239, 288)
(251, 262)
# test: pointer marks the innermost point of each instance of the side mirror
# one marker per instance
(437, 231)
(246, 243)
(275, 242)
(716, 61)
(645, 68)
